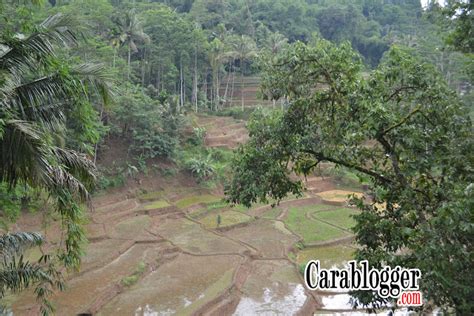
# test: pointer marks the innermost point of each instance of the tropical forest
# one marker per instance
(236, 157)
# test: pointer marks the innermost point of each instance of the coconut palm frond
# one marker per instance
(95, 77)
(26, 158)
(22, 147)
(22, 55)
(59, 179)
(15, 243)
(41, 99)
(18, 274)
(45, 99)
(77, 164)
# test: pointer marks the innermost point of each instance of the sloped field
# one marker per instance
(164, 251)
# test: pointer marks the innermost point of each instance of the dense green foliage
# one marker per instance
(401, 126)
(40, 94)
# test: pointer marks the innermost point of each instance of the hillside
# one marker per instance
(166, 229)
(249, 90)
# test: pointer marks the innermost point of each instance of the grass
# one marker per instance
(197, 199)
(151, 196)
(216, 205)
(338, 195)
(132, 279)
(311, 230)
(132, 226)
(156, 205)
(212, 291)
(228, 218)
(327, 255)
(272, 213)
(341, 217)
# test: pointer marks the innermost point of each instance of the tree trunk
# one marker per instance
(218, 88)
(242, 84)
(194, 96)
(233, 85)
(157, 83)
(129, 59)
(96, 147)
(227, 84)
(204, 86)
(180, 83)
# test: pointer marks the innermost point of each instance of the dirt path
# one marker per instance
(283, 215)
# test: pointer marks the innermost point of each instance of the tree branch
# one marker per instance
(321, 157)
(406, 118)
(398, 90)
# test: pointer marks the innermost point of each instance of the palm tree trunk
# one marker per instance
(143, 66)
(242, 85)
(205, 86)
(157, 80)
(227, 85)
(96, 147)
(195, 83)
(180, 83)
(233, 84)
(129, 59)
(218, 88)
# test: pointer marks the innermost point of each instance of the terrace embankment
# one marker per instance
(165, 252)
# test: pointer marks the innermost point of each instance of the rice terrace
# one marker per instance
(234, 157)
(158, 252)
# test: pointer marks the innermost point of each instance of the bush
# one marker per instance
(197, 138)
(201, 168)
(153, 126)
(132, 279)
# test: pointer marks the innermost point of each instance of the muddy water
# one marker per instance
(188, 268)
(273, 288)
(178, 287)
(271, 303)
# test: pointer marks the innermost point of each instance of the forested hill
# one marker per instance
(165, 58)
(186, 47)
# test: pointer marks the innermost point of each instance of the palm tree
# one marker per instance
(18, 274)
(216, 56)
(37, 93)
(245, 49)
(275, 42)
(130, 33)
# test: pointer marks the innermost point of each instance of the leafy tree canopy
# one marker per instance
(402, 127)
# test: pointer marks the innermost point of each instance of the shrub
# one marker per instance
(197, 138)
(201, 168)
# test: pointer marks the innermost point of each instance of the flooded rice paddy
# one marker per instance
(157, 257)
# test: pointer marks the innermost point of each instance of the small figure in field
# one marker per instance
(219, 220)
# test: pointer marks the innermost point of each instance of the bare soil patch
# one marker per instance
(180, 286)
(191, 237)
(270, 238)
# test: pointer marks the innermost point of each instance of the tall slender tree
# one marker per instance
(130, 34)
(245, 50)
